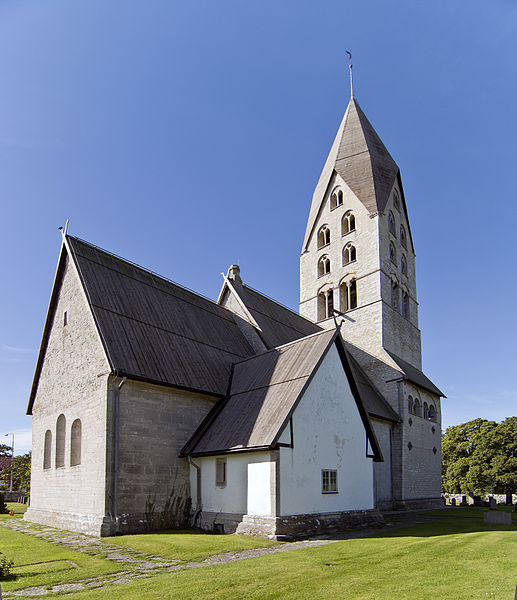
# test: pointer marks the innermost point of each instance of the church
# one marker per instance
(154, 407)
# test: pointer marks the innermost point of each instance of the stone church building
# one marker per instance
(155, 407)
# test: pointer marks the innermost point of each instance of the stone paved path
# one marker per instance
(135, 565)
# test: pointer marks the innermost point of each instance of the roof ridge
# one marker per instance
(284, 345)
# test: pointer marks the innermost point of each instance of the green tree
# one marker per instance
(480, 456)
(5, 450)
(21, 473)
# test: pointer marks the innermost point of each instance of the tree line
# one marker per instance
(21, 470)
(480, 457)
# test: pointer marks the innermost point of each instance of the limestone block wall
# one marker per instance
(73, 383)
(154, 424)
(421, 447)
(382, 471)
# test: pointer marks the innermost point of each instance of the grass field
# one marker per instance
(451, 559)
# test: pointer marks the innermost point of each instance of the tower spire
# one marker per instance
(351, 76)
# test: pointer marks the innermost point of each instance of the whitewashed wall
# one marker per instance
(233, 497)
(328, 434)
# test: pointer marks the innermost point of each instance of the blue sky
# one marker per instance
(186, 136)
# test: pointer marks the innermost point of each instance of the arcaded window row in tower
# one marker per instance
(59, 452)
(347, 299)
(399, 299)
(347, 226)
(415, 407)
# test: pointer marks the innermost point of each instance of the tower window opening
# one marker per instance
(393, 253)
(75, 443)
(403, 264)
(417, 408)
(403, 239)
(432, 413)
(394, 295)
(405, 304)
(426, 411)
(325, 305)
(323, 236)
(60, 441)
(336, 199)
(348, 295)
(410, 405)
(396, 200)
(391, 223)
(349, 254)
(347, 223)
(323, 266)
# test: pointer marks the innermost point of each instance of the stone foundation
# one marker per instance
(292, 525)
(418, 504)
(95, 525)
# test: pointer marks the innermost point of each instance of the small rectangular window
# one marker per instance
(65, 318)
(220, 471)
(328, 481)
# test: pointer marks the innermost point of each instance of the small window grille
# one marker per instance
(220, 472)
(328, 481)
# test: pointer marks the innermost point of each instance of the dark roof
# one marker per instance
(264, 393)
(374, 402)
(153, 329)
(416, 376)
(279, 325)
(364, 163)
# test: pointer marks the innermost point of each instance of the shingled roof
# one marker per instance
(361, 159)
(414, 375)
(264, 393)
(152, 329)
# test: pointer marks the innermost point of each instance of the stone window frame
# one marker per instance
(221, 472)
(325, 304)
(395, 295)
(410, 404)
(329, 481)
(417, 411)
(349, 254)
(76, 434)
(403, 264)
(336, 198)
(396, 199)
(323, 236)
(323, 266)
(403, 237)
(405, 304)
(393, 253)
(391, 224)
(348, 294)
(60, 441)
(432, 413)
(47, 450)
(347, 223)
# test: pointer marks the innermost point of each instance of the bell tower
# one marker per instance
(358, 256)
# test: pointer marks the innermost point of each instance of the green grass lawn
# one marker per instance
(17, 508)
(37, 562)
(470, 511)
(454, 559)
(188, 546)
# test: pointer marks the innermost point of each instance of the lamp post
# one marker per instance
(12, 460)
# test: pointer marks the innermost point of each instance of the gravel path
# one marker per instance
(140, 565)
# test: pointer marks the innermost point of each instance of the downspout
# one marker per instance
(115, 454)
(198, 491)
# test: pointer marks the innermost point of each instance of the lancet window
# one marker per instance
(391, 223)
(323, 236)
(349, 254)
(336, 199)
(347, 223)
(325, 305)
(323, 266)
(348, 295)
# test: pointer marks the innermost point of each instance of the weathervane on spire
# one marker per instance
(351, 77)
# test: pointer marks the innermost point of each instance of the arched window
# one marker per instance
(336, 199)
(403, 239)
(348, 295)
(347, 223)
(403, 264)
(426, 411)
(325, 305)
(323, 265)
(396, 200)
(405, 304)
(418, 408)
(60, 441)
(394, 295)
(47, 450)
(393, 253)
(348, 254)
(323, 236)
(432, 413)
(75, 443)
(391, 223)
(410, 405)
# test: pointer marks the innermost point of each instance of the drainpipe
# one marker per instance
(198, 491)
(115, 454)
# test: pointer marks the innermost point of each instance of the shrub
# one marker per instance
(5, 566)
(3, 505)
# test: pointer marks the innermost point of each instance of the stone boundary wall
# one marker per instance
(15, 497)
(469, 499)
